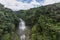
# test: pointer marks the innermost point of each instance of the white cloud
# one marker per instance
(46, 2)
(15, 5)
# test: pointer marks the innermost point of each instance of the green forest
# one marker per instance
(43, 22)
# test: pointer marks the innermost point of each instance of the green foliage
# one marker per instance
(8, 23)
(6, 37)
(44, 22)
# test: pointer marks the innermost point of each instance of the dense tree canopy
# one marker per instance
(44, 22)
(8, 22)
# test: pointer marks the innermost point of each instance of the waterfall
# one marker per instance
(22, 28)
(22, 25)
(23, 33)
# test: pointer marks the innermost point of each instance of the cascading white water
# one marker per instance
(22, 25)
(23, 37)
(22, 28)
(23, 31)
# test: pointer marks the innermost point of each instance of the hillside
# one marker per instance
(43, 22)
(8, 22)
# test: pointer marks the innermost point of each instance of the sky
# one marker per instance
(26, 4)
